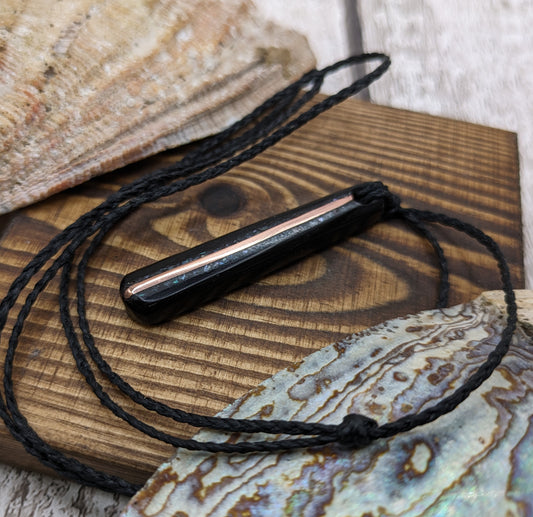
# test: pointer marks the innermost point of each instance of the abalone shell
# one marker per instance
(476, 460)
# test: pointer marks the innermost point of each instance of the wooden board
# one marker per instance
(205, 359)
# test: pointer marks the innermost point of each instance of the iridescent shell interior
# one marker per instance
(476, 460)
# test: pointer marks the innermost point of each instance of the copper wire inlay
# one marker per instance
(234, 248)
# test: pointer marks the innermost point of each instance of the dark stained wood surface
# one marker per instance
(206, 359)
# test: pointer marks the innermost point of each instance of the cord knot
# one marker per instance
(392, 205)
(356, 431)
(376, 190)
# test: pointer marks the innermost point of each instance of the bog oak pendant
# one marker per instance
(180, 283)
(477, 460)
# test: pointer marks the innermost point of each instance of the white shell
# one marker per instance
(477, 460)
(89, 86)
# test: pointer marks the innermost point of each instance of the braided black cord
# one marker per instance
(366, 193)
(271, 115)
(485, 370)
(269, 123)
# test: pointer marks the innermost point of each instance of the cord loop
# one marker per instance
(275, 119)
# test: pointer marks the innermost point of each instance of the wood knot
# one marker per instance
(222, 200)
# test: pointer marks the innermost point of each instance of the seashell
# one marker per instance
(477, 460)
(89, 86)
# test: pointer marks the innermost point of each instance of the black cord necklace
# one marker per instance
(276, 118)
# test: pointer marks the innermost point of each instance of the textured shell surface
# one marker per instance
(89, 86)
(476, 460)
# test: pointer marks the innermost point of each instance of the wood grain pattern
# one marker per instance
(206, 359)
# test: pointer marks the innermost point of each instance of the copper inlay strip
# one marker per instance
(234, 248)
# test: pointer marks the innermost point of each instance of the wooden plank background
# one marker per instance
(206, 359)
(419, 36)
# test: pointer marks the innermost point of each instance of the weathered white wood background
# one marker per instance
(469, 60)
(464, 59)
